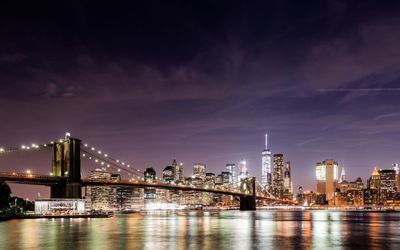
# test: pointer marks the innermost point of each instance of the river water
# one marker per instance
(209, 230)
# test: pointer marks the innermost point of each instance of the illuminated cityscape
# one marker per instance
(200, 124)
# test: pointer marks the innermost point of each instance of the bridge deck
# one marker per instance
(34, 179)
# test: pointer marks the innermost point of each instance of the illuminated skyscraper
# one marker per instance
(199, 171)
(231, 168)
(169, 174)
(327, 178)
(342, 176)
(149, 176)
(374, 180)
(396, 168)
(178, 171)
(277, 186)
(243, 171)
(287, 180)
(266, 168)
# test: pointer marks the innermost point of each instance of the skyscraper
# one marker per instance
(231, 168)
(266, 168)
(199, 171)
(342, 175)
(396, 168)
(169, 174)
(287, 181)
(149, 176)
(327, 178)
(278, 186)
(243, 171)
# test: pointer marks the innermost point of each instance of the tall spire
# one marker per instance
(266, 141)
(342, 175)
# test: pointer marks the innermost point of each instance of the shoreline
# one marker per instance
(51, 216)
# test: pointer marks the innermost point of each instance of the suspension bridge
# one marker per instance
(66, 179)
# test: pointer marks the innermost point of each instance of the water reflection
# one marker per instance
(208, 230)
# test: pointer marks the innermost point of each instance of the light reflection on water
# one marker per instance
(208, 230)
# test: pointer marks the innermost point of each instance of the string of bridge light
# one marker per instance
(105, 163)
(31, 146)
(25, 147)
(114, 162)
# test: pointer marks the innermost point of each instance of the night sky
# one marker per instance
(203, 81)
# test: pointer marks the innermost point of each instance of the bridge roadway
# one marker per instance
(46, 180)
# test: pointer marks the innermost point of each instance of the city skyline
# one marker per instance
(188, 172)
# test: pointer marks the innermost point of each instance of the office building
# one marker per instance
(231, 168)
(287, 181)
(199, 171)
(327, 178)
(342, 175)
(169, 174)
(266, 168)
(243, 171)
(149, 192)
(277, 181)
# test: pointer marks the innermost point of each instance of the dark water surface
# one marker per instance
(209, 230)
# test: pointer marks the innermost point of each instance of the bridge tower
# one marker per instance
(66, 162)
(248, 185)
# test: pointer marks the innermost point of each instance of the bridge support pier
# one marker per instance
(66, 162)
(248, 202)
(66, 190)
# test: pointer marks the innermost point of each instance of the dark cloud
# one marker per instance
(203, 81)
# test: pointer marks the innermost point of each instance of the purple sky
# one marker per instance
(203, 82)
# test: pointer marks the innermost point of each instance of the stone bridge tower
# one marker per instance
(66, 162)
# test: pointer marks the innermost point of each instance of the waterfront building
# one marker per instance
(374, 180)
(350, 193)
(111, 198)
(371, 193)
(149, 192)
(371, 197)
(231, 168)
(345, 186)
(278, 185)
(300, 196)
(396, 167)
(387, 186)
(59, 206)
(266, 167)
(287, 181)
(327, 179)
(383, 184)
(310, 198)
(199, 170)
(97, 196)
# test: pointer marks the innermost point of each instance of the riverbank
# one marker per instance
(4, 217)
